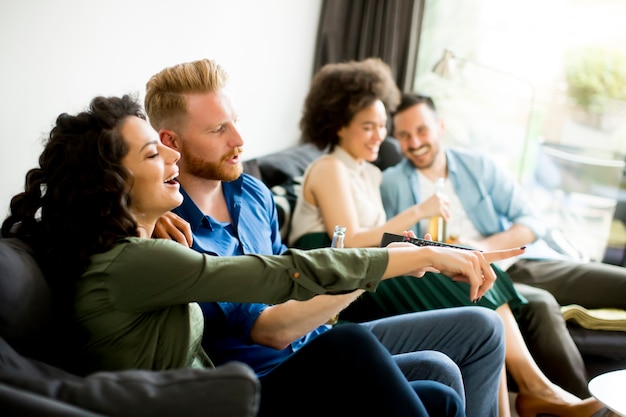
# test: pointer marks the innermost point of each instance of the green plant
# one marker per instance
(594, 74)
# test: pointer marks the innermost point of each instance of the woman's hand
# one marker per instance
(171, 226)
(473, 267)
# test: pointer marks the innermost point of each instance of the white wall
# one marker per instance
(57, 55)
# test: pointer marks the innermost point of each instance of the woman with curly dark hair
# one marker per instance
(85, 211)
(345, 99)
(90, 209)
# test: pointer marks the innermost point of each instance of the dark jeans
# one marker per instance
(472, 339)
(347, 372)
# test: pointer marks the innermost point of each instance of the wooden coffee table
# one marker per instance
(610, 390)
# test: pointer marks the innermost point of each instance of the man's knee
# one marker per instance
(487, 321)
(541, 307)
(439, 399)
(431, 365)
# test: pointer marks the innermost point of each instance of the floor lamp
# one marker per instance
(446, 68)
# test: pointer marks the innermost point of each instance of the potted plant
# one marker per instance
(593, 76)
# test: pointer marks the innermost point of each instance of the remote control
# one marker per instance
(390, 237)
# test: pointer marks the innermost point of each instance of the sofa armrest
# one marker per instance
(231, 389)
(228, 390)
(15, 402)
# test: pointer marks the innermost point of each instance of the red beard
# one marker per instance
(201, 168)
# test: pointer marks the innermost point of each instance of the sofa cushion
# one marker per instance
(25, 299)
(389, 154)
(610, 344)
(280, 167)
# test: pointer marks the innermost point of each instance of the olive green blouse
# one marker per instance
(133, 302)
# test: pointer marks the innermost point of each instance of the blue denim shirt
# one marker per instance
(491, 198)
(254, 230)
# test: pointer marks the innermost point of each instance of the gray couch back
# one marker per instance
(25, 299)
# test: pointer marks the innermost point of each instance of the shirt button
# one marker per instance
(368, 285)
(296, 274)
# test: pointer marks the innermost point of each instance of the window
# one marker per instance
(520, 92)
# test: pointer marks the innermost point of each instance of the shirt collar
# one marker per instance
(189, 211)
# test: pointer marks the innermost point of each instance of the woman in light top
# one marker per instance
(90, 209)
(345, 113)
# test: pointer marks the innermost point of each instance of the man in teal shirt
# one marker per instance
(496, 215)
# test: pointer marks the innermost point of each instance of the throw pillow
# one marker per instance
(285, 197)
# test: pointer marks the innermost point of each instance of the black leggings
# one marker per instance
(347, 372)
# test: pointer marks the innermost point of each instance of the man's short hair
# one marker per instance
(165, 102)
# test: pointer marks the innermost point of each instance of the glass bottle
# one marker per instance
(338, 235)
(437, 224)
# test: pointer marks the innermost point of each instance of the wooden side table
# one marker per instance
(610, 390)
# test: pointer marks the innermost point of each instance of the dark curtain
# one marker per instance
(359, 29)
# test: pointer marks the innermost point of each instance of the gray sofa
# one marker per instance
(31, 383)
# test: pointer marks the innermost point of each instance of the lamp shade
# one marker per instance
(446, 66)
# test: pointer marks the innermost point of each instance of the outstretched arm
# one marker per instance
(279, 325)
(185, 275)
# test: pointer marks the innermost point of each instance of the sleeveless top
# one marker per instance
(365, 180)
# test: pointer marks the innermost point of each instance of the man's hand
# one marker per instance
(435, 205)
(171, 226)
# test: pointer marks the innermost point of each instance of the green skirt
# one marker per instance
(313, 241)
(409, 294)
